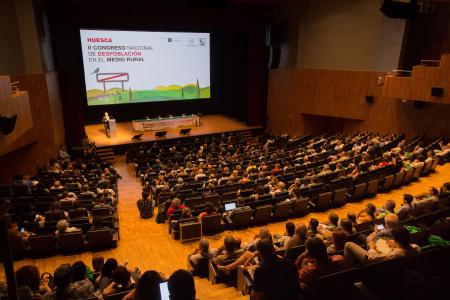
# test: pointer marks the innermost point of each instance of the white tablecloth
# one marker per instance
(165, 123)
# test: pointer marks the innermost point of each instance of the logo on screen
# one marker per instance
(169, 40)
(191, 42)
(202, 41)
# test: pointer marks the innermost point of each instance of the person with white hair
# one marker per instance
(390, 221)
(63, 227)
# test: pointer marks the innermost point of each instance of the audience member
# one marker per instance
(105, 278)
(29, 276)
(201, 252)
(63, 227)
(82, 286)
(121, 281)
(381, 249)
(403, 212)
(210, 210)
(276, 278)
(181, 285)
(147, 288)
(367, 214)
(175, 206)
(315, 262)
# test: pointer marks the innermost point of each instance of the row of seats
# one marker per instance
(278, 208)
(371, 279)
(44, 245)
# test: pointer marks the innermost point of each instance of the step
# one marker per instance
(206, 290)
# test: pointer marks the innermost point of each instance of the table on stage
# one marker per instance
(150, 124)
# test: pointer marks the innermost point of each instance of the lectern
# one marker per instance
(112, 128)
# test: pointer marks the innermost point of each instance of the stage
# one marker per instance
(209, 124)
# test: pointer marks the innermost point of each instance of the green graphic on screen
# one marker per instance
(123, 67)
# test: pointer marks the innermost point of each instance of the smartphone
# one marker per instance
(22, 230)
(164, 290)
(380, 226)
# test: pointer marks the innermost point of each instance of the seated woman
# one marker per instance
(367, 214)
(121, 281)
(175, 206)
(315, 262)
(312, 227)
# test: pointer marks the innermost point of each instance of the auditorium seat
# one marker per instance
(339, 197)
(416, 173)
(262, 214)
(358, 191)
(191, 202)
(434, 165)
(426, 168)
(386, 183)
(282, 210)
(294, 252)
(383, 274)
(71, 242)
(202, 267)
(399, 177)
(363, 226)
(215, 276)
(42, 245)
(104, 211)
(300, 207)
(212, 224)
(18, 248)
(323, 201)
(337, 285)
(408, 176)
(214, 199)
(372, 188)
(101, 239)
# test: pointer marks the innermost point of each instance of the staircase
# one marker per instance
(207, 291)
(107, 154)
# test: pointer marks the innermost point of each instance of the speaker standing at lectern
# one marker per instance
(105, 121)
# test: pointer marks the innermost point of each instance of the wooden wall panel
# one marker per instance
(15, 103)
(48, 126)
(418, 86)
(295, 107)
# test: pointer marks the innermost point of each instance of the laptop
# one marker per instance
(230, 206)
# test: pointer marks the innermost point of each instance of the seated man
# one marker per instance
(381, 249)
(298, 239)
(229, 246)
(63, 227)
(290, 232)
(390, 221)
(229, 215)
(102, 204)
(201, 252)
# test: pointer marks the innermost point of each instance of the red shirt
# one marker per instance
(172, 209)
